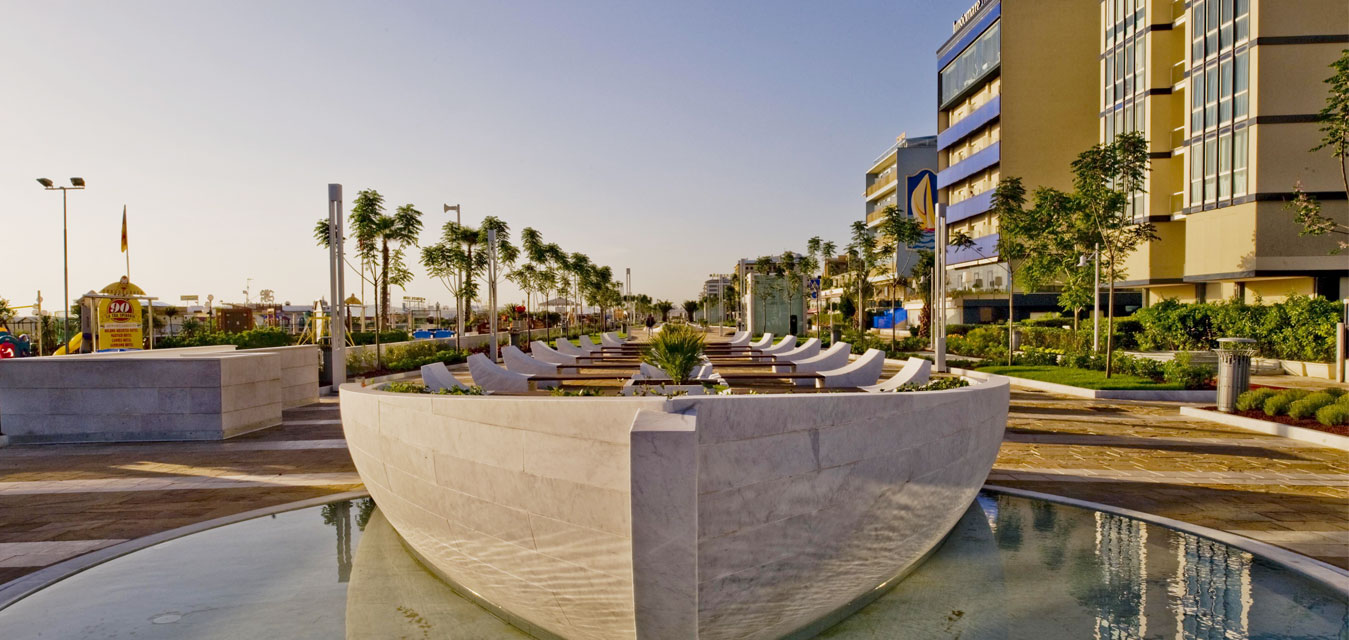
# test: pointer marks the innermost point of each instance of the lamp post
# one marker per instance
(722, 280)
(492, 290)
(458, 299)
(1095, 297)
(75, 184)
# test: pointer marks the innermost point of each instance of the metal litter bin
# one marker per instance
(1234, 370)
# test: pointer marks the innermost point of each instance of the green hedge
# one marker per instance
(260, 338)
(385, 337)
(1300, 328)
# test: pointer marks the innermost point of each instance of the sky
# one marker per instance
(671, 138)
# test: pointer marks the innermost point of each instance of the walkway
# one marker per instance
(1144, 456)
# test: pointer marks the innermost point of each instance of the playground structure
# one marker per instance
(21, 346)
(111, 319)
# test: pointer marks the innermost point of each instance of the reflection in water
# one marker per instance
(1012, 568)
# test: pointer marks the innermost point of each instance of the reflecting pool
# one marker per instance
(1013, 568)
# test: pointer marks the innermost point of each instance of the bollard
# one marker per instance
(1234, 370)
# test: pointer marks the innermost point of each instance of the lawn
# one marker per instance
(1085, 378)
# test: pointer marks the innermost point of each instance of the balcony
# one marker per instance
(983, 159)
(970, 207)
(962, 128)
(882, 184)
(983, 248)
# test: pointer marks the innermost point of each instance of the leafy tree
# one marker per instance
(1334, 119)
(664, 307)
(1104, 179)
(862, 258)
(899, 232)
(7, 314)
(504, 252)
(690, 308)
(922, 278)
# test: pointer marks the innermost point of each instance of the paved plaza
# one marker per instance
(60, 501)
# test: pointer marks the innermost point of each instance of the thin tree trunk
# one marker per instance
(1110, 319)
(1011, 315)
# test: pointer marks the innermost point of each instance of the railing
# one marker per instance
(881, 184)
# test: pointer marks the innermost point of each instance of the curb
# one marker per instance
(1289, 431)
(1177, 395)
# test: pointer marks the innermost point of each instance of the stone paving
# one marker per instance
(59, 501)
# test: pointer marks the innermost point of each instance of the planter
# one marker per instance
(1158, 395)
(701, 516)
(631, 388)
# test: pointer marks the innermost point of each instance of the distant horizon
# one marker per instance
(672, 140)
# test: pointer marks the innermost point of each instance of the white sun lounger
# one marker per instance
(787, 343)
(808, 349)
(540, 350)
(740, 339)
(567, 348)
(437, 376)
(586, 345)
(520, 362)
(831, 358)
(863, 371)
(763, 342)
(915, 371)
(611, 339)
(491, 377)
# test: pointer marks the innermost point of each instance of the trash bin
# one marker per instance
(835, 334)
(1234, 370)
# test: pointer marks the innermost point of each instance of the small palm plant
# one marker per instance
(677, 349)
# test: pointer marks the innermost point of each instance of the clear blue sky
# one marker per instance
(672, 138)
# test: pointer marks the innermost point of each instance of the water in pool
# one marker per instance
(1013, 568)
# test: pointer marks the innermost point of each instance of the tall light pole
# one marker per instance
(492, 290)
(458, 299)
(627, 320)
(75, 184)
(722, 279)
(337, 320)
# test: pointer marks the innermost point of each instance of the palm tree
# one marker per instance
(467, 265)
(381, 240)
(664, 307)
(827, 250)
(690, 308)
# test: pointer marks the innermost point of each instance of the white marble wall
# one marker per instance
(706, 517)
(113, 398)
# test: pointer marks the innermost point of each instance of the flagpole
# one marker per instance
(125, 248)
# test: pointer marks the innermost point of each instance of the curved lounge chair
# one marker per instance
(651, 372)
(787, 343)
(437, 376)
(832, 358)
(808, 349)
(586, 345)
(520, 362)
(539, 350)
(740, 339)
(565, 347)
(915, 371)
(763, 342)
(863, 371)
(491, 377)
(611, 339)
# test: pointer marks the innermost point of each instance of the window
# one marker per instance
(1243, 21)
(1196, 103)
(1225, 92)
(1225, 166)
(1210, 177)
(1197, 27)
(981, 57)
(1239, 162)
(1241, 85)
(1211, 97)
(1196, 173)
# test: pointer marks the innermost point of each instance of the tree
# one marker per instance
(664, 307)
(1105, 177)
(501, 256)
(862, 259)
(381, 240)
(7, 314)
(690, 308)
(170, 312)
(827, 251)
(900, 232)
(922, 279)
(1009, 205)
(1334, 117)
(765, 266)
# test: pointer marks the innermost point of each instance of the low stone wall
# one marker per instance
(114, 398)
(300, 366)
(692, 517)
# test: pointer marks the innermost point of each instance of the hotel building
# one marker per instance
(887, 185)
(1017, 96)
(1226, 93)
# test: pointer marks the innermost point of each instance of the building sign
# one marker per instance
(965, 17)
(921, 193)
(119, 323)
(191, 298)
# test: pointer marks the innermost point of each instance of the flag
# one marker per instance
(123, 228)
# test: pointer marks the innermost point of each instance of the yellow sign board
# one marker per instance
(119, 318)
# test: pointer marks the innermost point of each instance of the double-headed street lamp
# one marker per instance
(76, 183)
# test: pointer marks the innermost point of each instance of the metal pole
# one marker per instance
(492, 292)
(1096, 303)
(939, 288)
(628, 320)
(65, 265)
(721, 306)
(337, 341)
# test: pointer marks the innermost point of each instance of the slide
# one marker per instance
(73, 347)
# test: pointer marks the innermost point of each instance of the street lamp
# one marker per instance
(1095, 297)
(722, 280)
(76, 183)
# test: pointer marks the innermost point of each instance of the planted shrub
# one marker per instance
(1254, 399)
(937, 384)
(1279, 403)
(1308, 406)
(1179, 370)
(677, 349)
(1333, 414)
